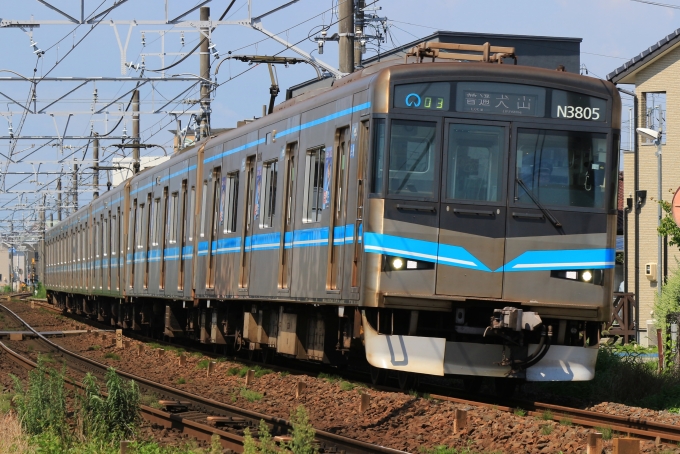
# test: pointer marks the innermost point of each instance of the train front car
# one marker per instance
(490, 232)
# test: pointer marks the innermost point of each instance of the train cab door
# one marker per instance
(473, 209)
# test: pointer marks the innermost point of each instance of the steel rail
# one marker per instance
(213, 407)
(641, 427)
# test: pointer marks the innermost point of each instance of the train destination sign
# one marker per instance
(500, 98)
(427, 96)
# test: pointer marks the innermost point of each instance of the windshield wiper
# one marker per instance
(545, 211)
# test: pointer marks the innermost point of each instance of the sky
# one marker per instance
(613, 31)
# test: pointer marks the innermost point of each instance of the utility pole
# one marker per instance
(75, 188)
(358, 31)
(95, 157)
(346, 32)
(135, 131)
(59, 199)
(204, 72)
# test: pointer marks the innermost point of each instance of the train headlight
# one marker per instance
(397, 264)
(587, 276)
(392, 263)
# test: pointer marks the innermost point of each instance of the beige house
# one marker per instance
(655, 74)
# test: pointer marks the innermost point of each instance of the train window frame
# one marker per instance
(504, 154)
(526, 202)
(172, 215)
(191, 211)
(268, 193)
(204, 206)
(377, 156)
(155, 220)
(312, 212)
(436, 181)
(231, 202)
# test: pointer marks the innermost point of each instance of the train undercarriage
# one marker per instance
(475, 340)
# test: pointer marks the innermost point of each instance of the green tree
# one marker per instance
(668, 226)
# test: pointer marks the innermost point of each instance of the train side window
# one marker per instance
(172, 222)
(105, 238)
(230, 202)
(204, 202)
(378, 156)
(155, 216)
(114, 231)
(191, 214)
(268, 198)
(314, 181)
(139, 215)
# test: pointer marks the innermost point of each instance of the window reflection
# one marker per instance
(563, 168)
(475, 162)
(412, 158)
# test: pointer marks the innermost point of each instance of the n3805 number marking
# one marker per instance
(580, 113)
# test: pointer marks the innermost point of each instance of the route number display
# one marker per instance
(576, 106)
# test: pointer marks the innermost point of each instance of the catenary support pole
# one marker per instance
(95, 158)
(358, 31)
(59, 199)
(75, 188)
(346, 29)
(204, 72)
(135, 131)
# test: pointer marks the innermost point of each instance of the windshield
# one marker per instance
(474, 162)
(562, 168)
(413, 156)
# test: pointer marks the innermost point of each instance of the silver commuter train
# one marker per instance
(446, 218)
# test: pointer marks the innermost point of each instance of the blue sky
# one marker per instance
(612, 30)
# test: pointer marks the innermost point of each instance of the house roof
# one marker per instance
(625, 74)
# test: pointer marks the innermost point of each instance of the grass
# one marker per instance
(547, 429)
(285, 373)
(565, 422)
(243, 371)
(111, 355)
(46, 357)
(94, 348)
(150, 400)
(443, 449)
(181, 381)
(203, 364)
(168, 348)
(520, 412)
(5, 403)
(626, 379)
(547, 415)
(330, 378)
(607, 432)
(346, 386)
(249, 395)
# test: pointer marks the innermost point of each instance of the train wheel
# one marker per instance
(378, 376)
(268, 355)
(407, 380)
(505, 387)
(472, 384)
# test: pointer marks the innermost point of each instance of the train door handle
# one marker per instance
(528, 215)
(427, 208)
(473, 212)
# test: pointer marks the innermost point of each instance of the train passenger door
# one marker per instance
(288, 218)
(336, 234)
(244, 274)
(473, 209)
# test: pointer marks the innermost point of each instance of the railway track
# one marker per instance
(638, 427)
(195, 415)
